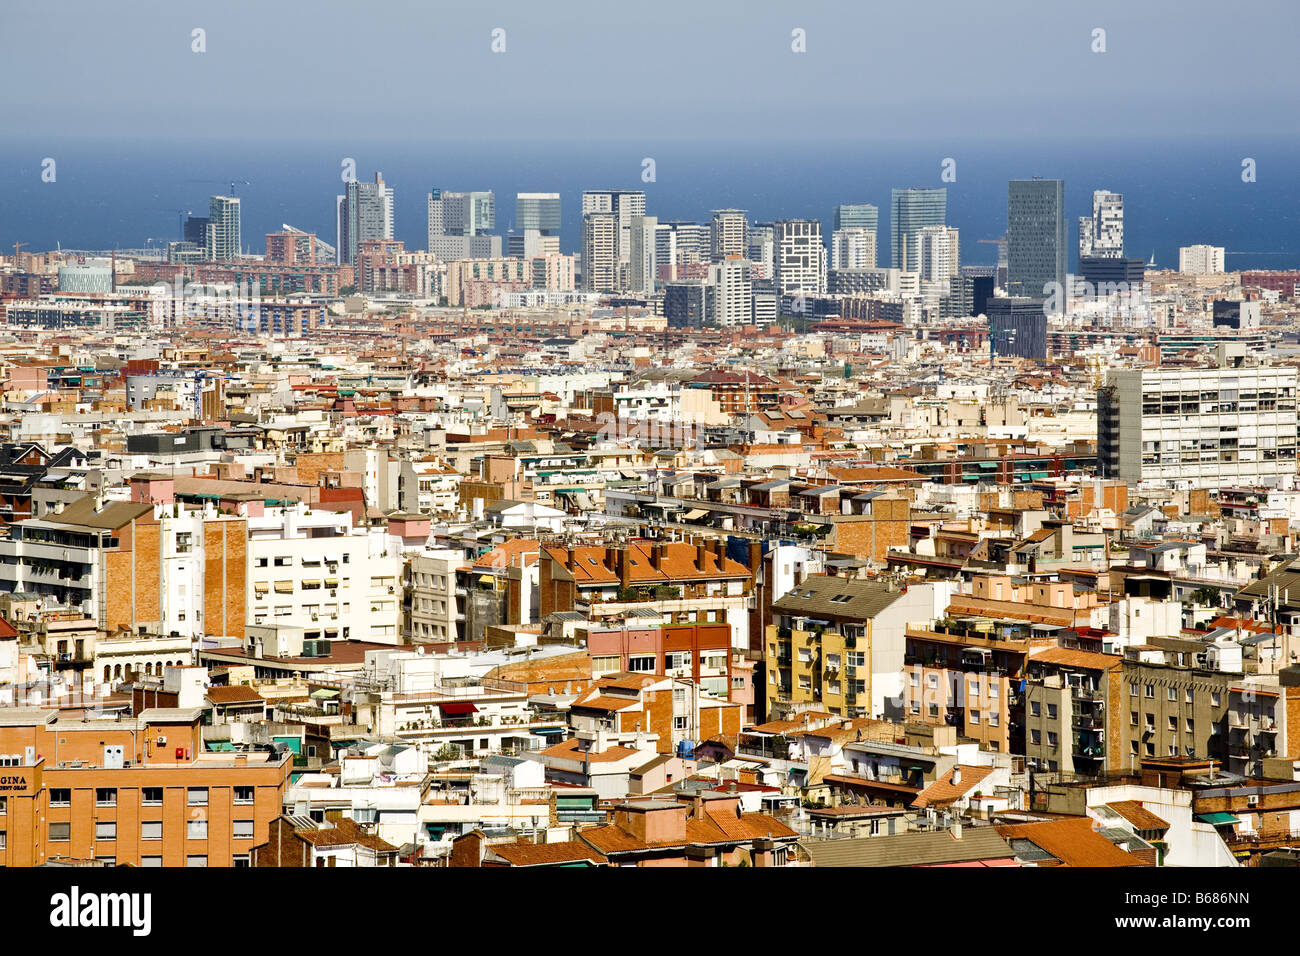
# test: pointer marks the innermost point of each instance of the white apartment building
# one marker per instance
(600, 264)
(728, 234)
(853, 248)
(937, 253)
(1200, 260)
(1206, 427)
(642, 265)
(313, 570)
(733, 292)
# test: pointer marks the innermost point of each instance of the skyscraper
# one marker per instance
(1036, 239)
(641, 272)
(1102, 234)
(733, 292)
(365, 212)
(728, 234)
(540, 211)
(937, 253)
(600, 251)
(911, 210)
(853, 248)
(857, 216)
(624, 204)
(798, 257)
(222, 236)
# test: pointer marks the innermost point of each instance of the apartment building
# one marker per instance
(630, 708)
(138, 791)
(1065, 706)
(1207, 427)
(312, 570)
(839, 643)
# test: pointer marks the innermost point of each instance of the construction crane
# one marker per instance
(17, 246)
(221, 182)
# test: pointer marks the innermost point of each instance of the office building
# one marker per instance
(1101, 235)
(728, 234)
(1105, 275)
(1228, 426)
(798, 257)
(1236, 314)
(540, 211)
(365, 211)
(1200, 260)
(222, 239)
(1036, 240)
(687, 304)
(856, 216)
(1017, 328)
(910, 211)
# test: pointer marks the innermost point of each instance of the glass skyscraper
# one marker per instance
(857, 216)
(911, 210)
(1036, 255)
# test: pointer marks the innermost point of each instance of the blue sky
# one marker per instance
(582, 69)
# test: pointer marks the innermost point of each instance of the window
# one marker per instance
(151, 830)
(184, 542)
(1036, 737)
(1132, 689)
(1133, 718)
(3, 840)
(1150, 691)
(679, 696)
(60, 797)
(994, 718)
(243, 795)
(1051, 711)
(197, 860)
(151, 796)
(1173, 723)
(155, 861)
(105, 796)
(1051, 739)
(196, 830)
(1173, 694)
(4, 806)
(1214, 699)
(605, 664)
(643, 663)
(1187, 695)
(242, 830)
(60, 832)
(106, 830)
(241, 860)
(974, 716)
(197, 797)
(1034, 708)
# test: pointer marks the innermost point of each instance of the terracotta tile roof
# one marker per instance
(680, 563)
(943, 791)
(508, 554)
(568, 749)
(707, 829)
(345, 833)
(1069, 657)
(1073, 841)
(545, 854)
(1138, 815)
(238, 694)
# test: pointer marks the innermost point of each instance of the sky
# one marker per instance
(653, 71)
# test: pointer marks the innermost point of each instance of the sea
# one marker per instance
(131, 193)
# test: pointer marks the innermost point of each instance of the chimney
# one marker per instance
(956, 775)
(624, 567)
(701, 550)
(660, 553)
(956, 829)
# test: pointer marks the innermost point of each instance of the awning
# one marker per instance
(283, 587)
(455, 709)
(331, 582)
(693, 514)
(324, 693)
(1217, 819)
